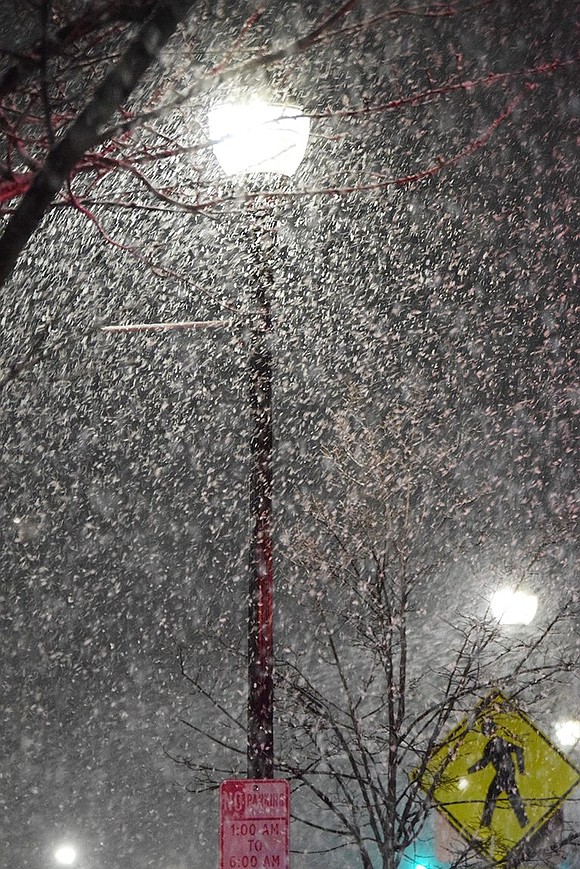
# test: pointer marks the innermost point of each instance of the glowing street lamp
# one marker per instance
(258, 137)
(65, 855)
(568, 733)
(511, 607)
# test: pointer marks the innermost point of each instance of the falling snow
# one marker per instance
(425, 342)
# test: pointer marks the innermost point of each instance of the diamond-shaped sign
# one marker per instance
(497, 778)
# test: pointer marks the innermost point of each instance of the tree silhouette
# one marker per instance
(61, 147)
(366, 685)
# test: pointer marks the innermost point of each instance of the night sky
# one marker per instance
(123, 509)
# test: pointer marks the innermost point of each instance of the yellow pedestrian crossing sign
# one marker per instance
(497, 778)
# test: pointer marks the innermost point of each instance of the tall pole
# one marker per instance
(259, 137)
(260, 740)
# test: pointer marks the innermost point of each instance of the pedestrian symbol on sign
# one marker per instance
(497, 778)
(498, 752)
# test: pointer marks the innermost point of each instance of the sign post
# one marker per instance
(254, 824)
(497, 778)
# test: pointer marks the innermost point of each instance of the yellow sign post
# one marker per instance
(497, 778)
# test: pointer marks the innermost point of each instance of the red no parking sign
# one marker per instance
(254, 824)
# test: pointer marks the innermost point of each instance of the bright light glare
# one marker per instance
(65, 855)
(513, 607)
(258, 137)
(568, 733)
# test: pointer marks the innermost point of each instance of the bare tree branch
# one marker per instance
(85, 131)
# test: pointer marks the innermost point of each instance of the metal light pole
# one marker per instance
(260, 743)
(247, 139)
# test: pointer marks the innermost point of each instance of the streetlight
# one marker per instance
(258, 137)
(568, 733)
(65, 855)
(511, 607)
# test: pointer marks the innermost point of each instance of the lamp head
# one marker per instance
(511, 607)
(258, 137)
(65, 855)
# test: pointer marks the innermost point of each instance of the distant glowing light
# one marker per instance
(513, 607)
(568, 733)
(462, 784)
(65, 855)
